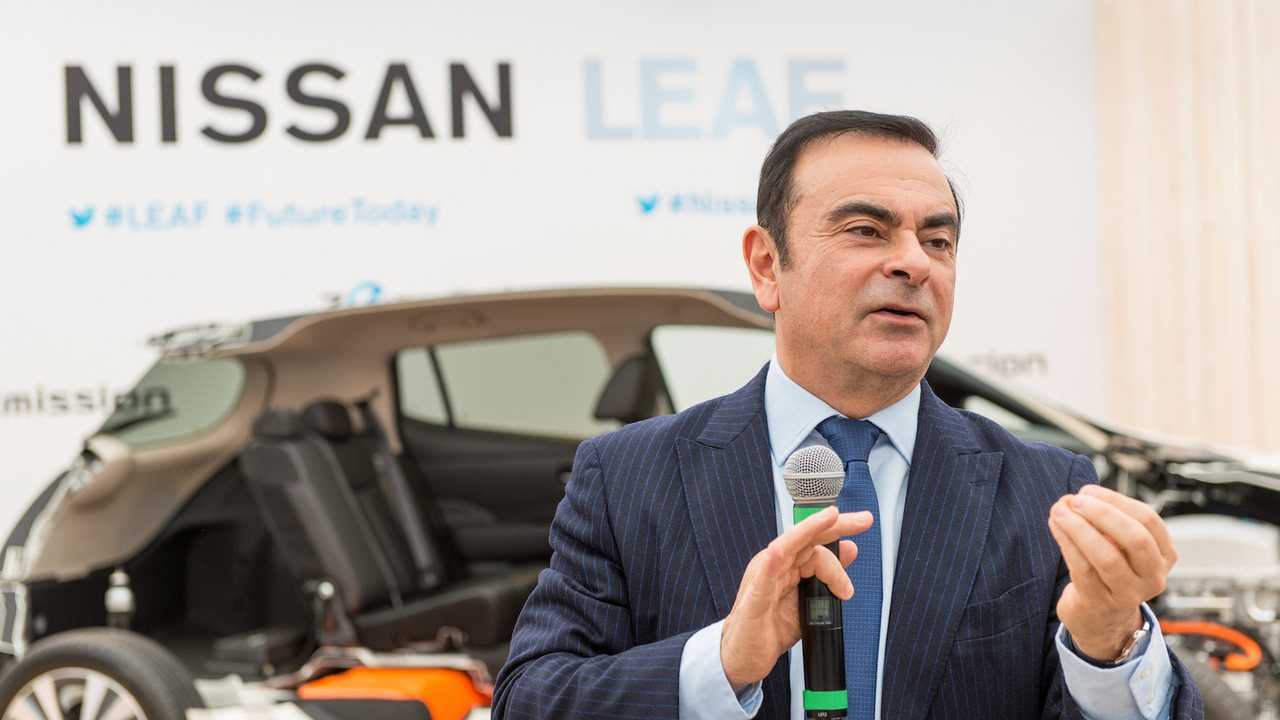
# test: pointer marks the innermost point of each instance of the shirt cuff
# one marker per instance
(1141, 687)
(705, 692)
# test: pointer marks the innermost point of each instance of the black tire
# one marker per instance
(157, 681)
(1220, 701)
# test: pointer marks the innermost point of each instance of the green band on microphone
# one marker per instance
(800, 512)
(826, 700)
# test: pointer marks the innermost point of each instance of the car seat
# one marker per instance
(326, 504)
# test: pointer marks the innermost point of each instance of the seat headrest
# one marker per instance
(330, 418)
(278, 423)
(632, 390)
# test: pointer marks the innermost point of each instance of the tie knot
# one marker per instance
(851, 439)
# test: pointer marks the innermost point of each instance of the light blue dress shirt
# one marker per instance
(1139, 688)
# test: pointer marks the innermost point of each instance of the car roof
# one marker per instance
(463, 316)
(386, 327)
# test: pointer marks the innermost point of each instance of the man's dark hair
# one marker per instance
(775, 198)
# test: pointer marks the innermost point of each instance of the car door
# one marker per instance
(493, 426)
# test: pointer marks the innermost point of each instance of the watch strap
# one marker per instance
(1132, 643)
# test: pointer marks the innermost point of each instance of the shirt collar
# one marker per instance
(794, 412)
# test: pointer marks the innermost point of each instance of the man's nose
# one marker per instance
(908, 261)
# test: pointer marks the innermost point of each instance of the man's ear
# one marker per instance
(761, 255)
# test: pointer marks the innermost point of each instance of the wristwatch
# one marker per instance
(1132, 643)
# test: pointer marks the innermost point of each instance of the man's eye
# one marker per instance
(940, 243)
(865, 231)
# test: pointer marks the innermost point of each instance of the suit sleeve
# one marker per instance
(1186, 703)
(573, 651)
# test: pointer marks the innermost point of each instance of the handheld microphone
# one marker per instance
(814, 476)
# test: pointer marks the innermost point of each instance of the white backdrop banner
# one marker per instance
(163, 166)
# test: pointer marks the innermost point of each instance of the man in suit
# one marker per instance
(994, 578)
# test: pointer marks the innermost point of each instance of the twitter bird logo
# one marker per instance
(647, 204)
(81, 218)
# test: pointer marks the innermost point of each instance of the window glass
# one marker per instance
(175, 399)
(700, 362)
(1024, 429)
(984, 407)
(419, 391)
(533, 384)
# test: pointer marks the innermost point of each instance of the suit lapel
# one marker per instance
(950, 490)
(728, 484)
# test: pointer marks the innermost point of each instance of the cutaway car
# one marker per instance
(341, 513)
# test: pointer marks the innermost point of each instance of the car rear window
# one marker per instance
(544, 384)
(174, 400)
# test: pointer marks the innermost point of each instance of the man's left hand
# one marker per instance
(1119, 553)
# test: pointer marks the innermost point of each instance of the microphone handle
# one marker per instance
(822, 645)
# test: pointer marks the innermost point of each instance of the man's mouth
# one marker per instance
(897, 311)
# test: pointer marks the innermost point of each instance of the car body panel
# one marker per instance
(92, 529)
(344, 354)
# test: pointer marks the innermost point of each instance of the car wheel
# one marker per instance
(1220, 701)
(97, 674)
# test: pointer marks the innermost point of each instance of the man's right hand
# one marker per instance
(765, 619)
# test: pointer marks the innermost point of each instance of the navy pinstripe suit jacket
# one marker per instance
(660, 519)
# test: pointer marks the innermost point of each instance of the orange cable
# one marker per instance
(1244, 661)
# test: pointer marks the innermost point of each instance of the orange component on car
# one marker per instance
(448, 694)
(1239, 662)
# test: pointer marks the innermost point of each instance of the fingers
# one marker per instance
(1141, 512)
(1101, 554)
(1132, 537)
(849, 524)
(768, 563)
(820, 529)
(805, 533)
(823, 565)
(800, 553)
(1082, 573)
(848, 552)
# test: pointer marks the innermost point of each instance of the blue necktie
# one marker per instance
(852, 440)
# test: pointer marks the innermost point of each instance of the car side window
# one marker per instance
(545, 384)
(700, 362)
(419, 387)
(1022, 427)
(1008, 419)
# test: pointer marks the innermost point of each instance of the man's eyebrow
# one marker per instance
(858, 207)
(941, 220)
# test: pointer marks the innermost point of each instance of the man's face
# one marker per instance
(870, 280)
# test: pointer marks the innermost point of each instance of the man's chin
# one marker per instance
(898, 362)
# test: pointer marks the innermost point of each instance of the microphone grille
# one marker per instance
(814, 473)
